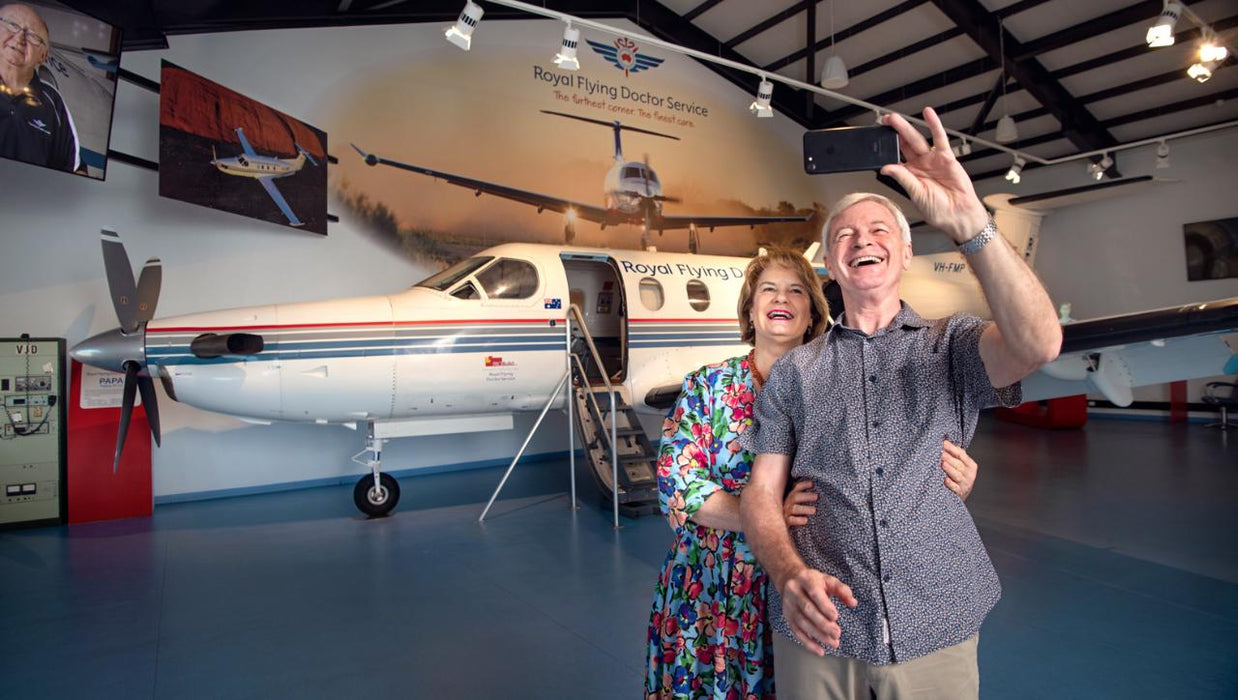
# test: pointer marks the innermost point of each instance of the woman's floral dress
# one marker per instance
(707, 633)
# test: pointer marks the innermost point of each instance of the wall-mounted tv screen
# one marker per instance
(59, 85)
(221, 149)
(1211, 249)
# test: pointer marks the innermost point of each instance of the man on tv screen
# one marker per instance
(35, 125)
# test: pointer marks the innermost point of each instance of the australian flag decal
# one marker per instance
(624, 56)
(553, 302)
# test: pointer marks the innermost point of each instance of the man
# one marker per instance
(35, 125)
(862, 411)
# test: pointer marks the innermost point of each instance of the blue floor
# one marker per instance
(1115, 545)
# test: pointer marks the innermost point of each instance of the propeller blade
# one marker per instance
(126, 410)
(146, 385)
(120, 281)
(149, 283)
(645, 177)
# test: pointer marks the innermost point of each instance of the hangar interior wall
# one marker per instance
(1115, 256)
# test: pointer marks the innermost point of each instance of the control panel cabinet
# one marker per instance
(32, 435)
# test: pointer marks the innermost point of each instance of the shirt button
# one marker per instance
(886, 578)
(885, 523)
(880, 471)
(876, 423)
(872, 378)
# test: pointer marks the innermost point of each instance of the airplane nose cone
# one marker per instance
(112, 349)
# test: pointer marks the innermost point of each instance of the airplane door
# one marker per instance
(596, 288)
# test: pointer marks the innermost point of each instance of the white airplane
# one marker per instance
(265, 169)
(464, 348)
(632, 194)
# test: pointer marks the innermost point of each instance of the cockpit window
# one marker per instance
(509, 279)
(633, 171)
(242, 161)
(455, 273)
(466, 291)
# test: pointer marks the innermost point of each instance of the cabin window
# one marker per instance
(698, 295)
(509, 279)
(651, 294)
(466, 291)
(445, 279)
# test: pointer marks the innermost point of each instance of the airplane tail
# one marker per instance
(305, 153)
(1021, 227)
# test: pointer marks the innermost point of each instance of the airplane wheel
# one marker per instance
(376, 502)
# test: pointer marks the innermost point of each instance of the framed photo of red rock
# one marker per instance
(221, 149)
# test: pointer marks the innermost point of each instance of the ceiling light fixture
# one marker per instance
(834, 74)
(1162, 155)
(1015, 174)
(1097, 170)
(566, 58)
(1162, 32)
(1007, 131)
(963, 149)
(461, 33)
(1201, 72)
(764, 92)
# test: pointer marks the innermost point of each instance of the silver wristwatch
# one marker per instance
(980, 240)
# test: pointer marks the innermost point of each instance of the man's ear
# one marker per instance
(907, 253)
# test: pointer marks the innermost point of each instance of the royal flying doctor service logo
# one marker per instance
(496, 361)
(624, 55)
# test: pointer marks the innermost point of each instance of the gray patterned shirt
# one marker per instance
(864, 417)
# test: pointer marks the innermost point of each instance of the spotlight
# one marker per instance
(461, 33)
(1162, 155)
(1201, 72)
(1006, 130)
(877, 117)
(566, 58)
(1014, 175)
(963, 149)
(764, 92)
(1162, 33)
(1097, 170)
(1212, 52)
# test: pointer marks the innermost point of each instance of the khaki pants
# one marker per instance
(951, 673)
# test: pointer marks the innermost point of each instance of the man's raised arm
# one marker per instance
(1026, 333)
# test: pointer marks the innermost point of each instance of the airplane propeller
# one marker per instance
(124, 349)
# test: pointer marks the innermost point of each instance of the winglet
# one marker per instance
(305, 153)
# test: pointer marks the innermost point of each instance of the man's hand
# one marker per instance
(807, 607)
(960, 469)
(799, 504)
(934, 179)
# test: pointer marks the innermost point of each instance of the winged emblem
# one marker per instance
(623, 54)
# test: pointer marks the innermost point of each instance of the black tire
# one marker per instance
(376, 503)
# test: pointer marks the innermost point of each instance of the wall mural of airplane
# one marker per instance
(466, 347)
(264, 169)
(632, 194)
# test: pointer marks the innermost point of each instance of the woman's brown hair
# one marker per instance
(808, 277)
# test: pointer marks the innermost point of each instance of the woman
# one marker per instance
(707, 633)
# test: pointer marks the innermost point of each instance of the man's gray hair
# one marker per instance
(855, 198)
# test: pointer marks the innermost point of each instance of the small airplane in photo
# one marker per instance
(632, 194)
(465, 348)
(265, 169)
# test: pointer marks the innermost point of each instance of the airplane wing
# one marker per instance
(667, 223)
(541, 201)
(249, 150)
(1112, 355)
(268, 184)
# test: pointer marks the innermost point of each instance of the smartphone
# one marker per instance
(849, 148)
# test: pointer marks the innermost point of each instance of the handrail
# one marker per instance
(574, 310)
